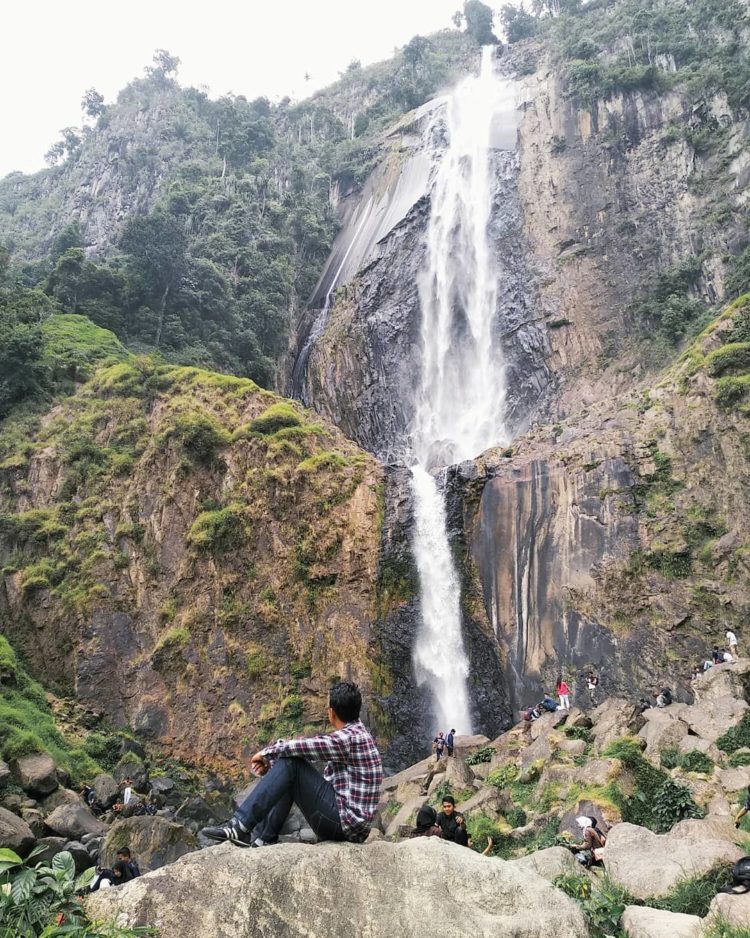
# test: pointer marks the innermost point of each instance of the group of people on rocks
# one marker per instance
(548, 704)
(442, 743)
(122, 871)
(718, 656)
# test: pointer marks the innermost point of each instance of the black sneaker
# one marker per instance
(231, 831)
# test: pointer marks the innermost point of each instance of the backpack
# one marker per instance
(667, 695)
(740, 877)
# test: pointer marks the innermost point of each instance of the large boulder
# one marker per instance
(549, 863)
(5, 773)
(711, 718)
(60, 797)
(726, 680)
(36, 773)
(404, 816)
(381, 890)
(15, 833)
(641, 922)
(73, 821)
(648, 864)
(106, 789)
(464, 745)
(153, 841)
(663, 729)
(732, 908)
(135, 770)
(414, 771)
(614, 719)
(458, 773)
(548, 722)
(734, 780)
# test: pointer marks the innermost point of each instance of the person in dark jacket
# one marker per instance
(427, 825)
(451, 823)
(449, 742)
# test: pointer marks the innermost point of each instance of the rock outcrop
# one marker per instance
(380, 889)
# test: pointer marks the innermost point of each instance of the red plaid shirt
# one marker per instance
(354, 770)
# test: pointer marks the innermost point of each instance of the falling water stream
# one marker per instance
(460, 408)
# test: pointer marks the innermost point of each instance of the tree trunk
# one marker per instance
(162, 308)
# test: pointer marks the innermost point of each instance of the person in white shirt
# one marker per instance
(732, 639)
(128, 791)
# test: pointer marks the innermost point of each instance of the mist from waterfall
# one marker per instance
(460, 407)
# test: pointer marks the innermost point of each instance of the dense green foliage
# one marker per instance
(27, 724)
(736, 737)
(693, 761)
(41, 900)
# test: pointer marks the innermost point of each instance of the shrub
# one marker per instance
(602, 902)
(734, 358)
(293, 707)
(694, 896)
(516, 817)
(731, 390)
(627, 748)
(217, 532)
(484, 754)
(502, 777)
(255, 661)
(177, 637)
(8, 660)
(276, 417)
(102, 749)
(200, 434)
(697, 761)
(578, 732)
(673, 802)
(736, 737)
(739, 758)
(670, 757)
(326, 460)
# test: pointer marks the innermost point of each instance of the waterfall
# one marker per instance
(460, 406)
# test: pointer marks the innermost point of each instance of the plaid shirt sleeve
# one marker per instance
(332, 746)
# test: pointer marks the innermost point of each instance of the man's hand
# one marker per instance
(259, 764)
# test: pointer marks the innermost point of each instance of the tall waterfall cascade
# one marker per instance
(460, 407)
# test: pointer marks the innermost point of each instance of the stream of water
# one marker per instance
(460, 408)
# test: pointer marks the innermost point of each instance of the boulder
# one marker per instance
(411, 789)
(481, 770)
(4, 773)
(465, 745)
(539, 751)
(81, 856)
(197, 812)
(572, 747)
(576, 717)
(36, 773)
(35, 819)
(726, 680)
(136, 771)
(547, 722)
(153, 841)
(414, 771)
(606, 814)
(648, 864)
(711, 718)
(641, 922)
(73, 821)
(15, 833)
(162, 785)
(662, 730)
(106, 789)
(734, 780)
(600, 771)
(549, 863)
(614, 719)
(487, 800)
(51, 847)
(458, 773)
(404, 816)
(690, 743)
(338, 890)
(733, 909)
(60, 797)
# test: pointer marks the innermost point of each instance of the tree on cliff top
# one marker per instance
(478, 17)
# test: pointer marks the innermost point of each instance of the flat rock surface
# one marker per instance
(549, 863)
(648, 864)
(378, 890)
(640, 922)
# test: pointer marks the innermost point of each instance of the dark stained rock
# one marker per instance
(15, 833)
(73, 821)
(36, 773)
(153, 841)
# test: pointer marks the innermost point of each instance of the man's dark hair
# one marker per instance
(450, 799)
(124, 852)
(345, 700)
(453, 731)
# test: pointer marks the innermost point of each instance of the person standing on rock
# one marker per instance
(438, 745)
(449, 742)
(592, 682)
(563, 693)
(733, 644)
(338, 805)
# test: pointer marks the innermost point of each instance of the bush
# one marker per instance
(627, 749)
(276, 417)
(673, 802)
(694, 896)
(734, 358)
(736, 737)
(293, 707)
(697, 761)
(602, 902)
(670, 757)
(739, 758)
(217, 532)
(502, 777)
(484, 754)
(8, 660)
(731, 390)
(516, 817)
(201, 435)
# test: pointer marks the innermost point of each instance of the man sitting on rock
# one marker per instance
(338, 805)
(452, 824)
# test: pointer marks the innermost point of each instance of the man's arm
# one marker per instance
(331, 746)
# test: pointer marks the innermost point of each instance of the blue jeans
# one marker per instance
(289, 781)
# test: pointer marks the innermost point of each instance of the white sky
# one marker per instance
(51, 51)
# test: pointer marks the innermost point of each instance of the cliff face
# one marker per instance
(192, 556)
(619, 540)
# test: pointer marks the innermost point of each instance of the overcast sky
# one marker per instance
(52, 51)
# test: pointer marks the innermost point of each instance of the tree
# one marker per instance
(478, 18)
(415, 51)
(155, 247)
(165, 66)
(92, 103)
(517, 23)
(457, 19)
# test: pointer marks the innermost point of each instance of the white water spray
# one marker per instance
(460, 409)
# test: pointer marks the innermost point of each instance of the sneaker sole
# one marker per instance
(227, 840)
